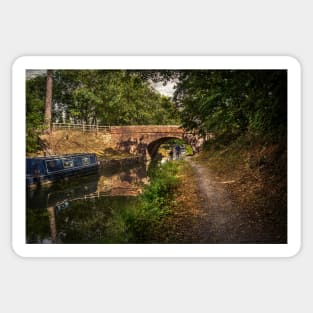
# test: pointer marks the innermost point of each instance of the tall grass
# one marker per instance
(138, 223)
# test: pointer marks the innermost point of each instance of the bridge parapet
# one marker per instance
(143, 129)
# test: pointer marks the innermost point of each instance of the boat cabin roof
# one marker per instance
(51, 157)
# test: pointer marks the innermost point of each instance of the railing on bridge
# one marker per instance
(80, 127)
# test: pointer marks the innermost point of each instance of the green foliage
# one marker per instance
(189, 150)
(137, 224)
(175, 141)
(153, 203)
(35, 97)
(110, 97)
(229, 103)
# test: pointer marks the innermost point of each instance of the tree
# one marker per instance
(35, 107)
(233, 102)
(48, 101)
(110, 97)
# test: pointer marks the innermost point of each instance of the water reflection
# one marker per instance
(80, 211)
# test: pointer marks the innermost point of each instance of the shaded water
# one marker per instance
(81, 210)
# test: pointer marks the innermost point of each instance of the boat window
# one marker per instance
(67, 163)
(53, 165)
(34, 167)
(85, 160)
(77, 161)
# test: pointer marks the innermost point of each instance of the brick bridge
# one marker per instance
(145, 140)
(137, 139)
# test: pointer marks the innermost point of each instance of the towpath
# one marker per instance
(221, 221)
(207, 210)
(204, 212)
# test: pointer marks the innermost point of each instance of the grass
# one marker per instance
(138, 223)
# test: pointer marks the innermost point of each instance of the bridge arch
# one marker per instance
(153, 146)
(146, 139)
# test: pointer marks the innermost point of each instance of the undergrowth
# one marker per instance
(138, 223)
(253, 170)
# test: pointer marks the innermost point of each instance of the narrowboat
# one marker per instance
(46, 170)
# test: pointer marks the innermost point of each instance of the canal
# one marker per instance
(85, 209)
(94, 208)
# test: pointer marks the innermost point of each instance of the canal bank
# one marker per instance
(121, 162)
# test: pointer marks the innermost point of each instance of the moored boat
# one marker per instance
(46, 170)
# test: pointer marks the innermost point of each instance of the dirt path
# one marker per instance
(221, 222)
(204, 212)
(221, 209)
(227, 220)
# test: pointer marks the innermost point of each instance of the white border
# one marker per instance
(156, 250)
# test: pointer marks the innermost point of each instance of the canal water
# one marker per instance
(83, 210)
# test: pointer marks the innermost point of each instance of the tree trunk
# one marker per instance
(48, 103)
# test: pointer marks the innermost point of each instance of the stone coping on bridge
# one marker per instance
(147, 129)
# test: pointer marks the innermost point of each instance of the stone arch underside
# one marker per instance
(153, 146)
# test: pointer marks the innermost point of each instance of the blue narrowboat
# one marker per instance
(45, 170)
